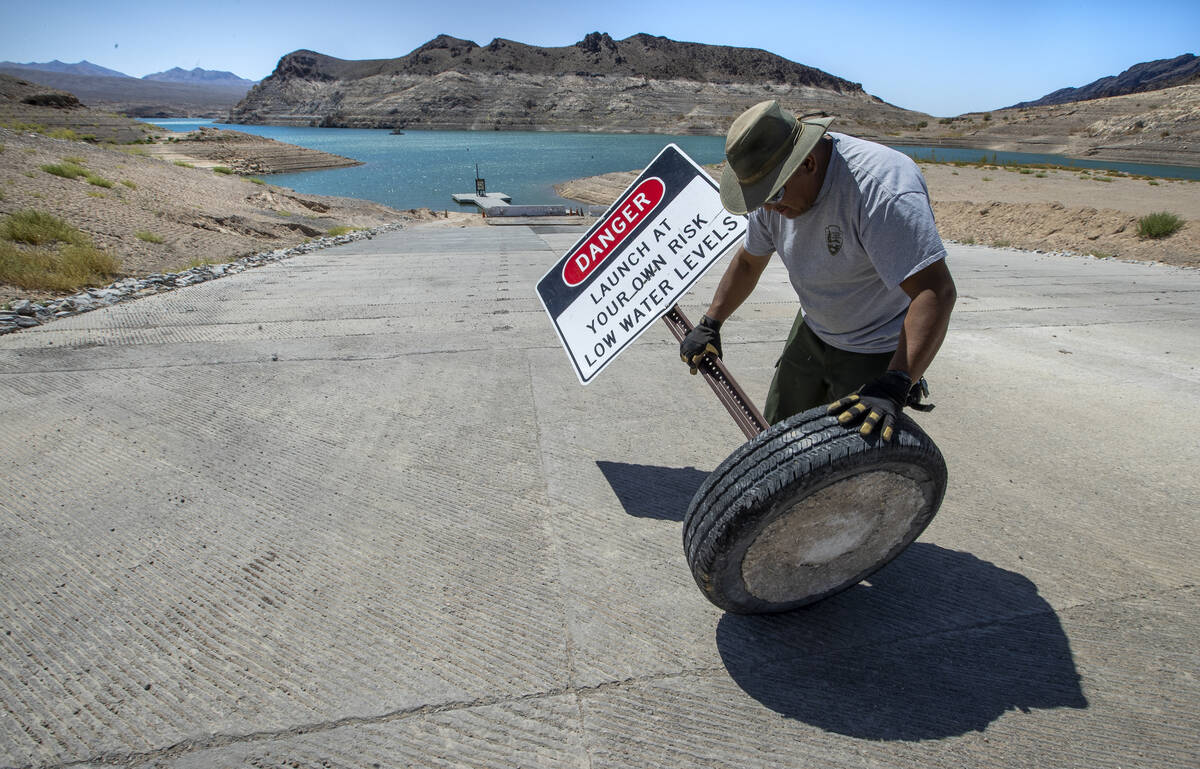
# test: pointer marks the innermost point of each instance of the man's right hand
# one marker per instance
(704, 339)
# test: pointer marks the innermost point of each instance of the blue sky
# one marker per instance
(940, 57)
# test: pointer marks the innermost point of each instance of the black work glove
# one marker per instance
(704, 339)
(879, 401)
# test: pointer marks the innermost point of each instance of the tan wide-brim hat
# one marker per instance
(764, 147)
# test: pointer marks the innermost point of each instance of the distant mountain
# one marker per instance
(642, 84)
(200, 76)
(1147, 76)
(136, 97)
(85, 68)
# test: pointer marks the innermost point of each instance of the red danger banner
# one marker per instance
(632, 209)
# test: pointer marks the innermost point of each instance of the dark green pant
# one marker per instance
(811, 373)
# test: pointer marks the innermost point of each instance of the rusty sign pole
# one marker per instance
(732, 397)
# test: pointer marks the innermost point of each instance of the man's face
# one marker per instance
(800, 191)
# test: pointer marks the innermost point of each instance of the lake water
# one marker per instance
(422, 169)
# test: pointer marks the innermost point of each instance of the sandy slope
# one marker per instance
(201, 216)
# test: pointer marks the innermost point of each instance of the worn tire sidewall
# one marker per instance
(731, 531)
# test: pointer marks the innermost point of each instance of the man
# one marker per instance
(852, 221)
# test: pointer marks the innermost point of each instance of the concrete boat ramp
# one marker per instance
(352, 509)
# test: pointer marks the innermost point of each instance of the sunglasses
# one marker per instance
(778, 196)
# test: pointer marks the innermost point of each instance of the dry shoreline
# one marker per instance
(1038, 209)
(241, 153)
(157, 217)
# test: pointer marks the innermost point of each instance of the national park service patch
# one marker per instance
(833, 239)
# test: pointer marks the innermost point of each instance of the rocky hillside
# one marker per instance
(1147, 76)
(639, 84)
(31, 107)
(1160, 126)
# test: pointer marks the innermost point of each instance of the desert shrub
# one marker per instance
(340, 230)
(99, 181)
(65, 170)
(69, 268)
(184, 164)
(222, 170)
(148, 236)
(129, 184)
(18, 126)
(255, 180)
(38, 228)
(1159, 225)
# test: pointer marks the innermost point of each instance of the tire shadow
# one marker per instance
(936, 644)
(651, 491)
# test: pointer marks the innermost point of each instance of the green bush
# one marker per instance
(1159, 225)
(222, 170)
(149, 237)
(65, 170)
(69, 268)
(37, 228)
(99, 181)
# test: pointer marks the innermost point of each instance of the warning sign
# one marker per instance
(638, 260)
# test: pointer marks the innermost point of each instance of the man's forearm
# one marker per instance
(738, 282)
(932, 300)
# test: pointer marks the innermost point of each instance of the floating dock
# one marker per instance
(496, 209)
(483, 201)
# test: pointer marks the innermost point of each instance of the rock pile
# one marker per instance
(26, 314)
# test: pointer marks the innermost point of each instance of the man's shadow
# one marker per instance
(935, 644)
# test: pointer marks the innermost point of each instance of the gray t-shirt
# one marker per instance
(869, 229)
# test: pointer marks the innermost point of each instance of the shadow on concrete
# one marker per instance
(650, 491)
(936, 644)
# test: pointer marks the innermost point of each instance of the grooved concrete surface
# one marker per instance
(353, 510)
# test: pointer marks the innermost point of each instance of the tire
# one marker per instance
(807, 509)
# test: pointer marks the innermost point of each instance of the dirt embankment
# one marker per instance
(1030, 208)
(156, 216)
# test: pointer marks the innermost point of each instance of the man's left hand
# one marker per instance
(877, 403)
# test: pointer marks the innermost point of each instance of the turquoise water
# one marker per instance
(422, 169)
